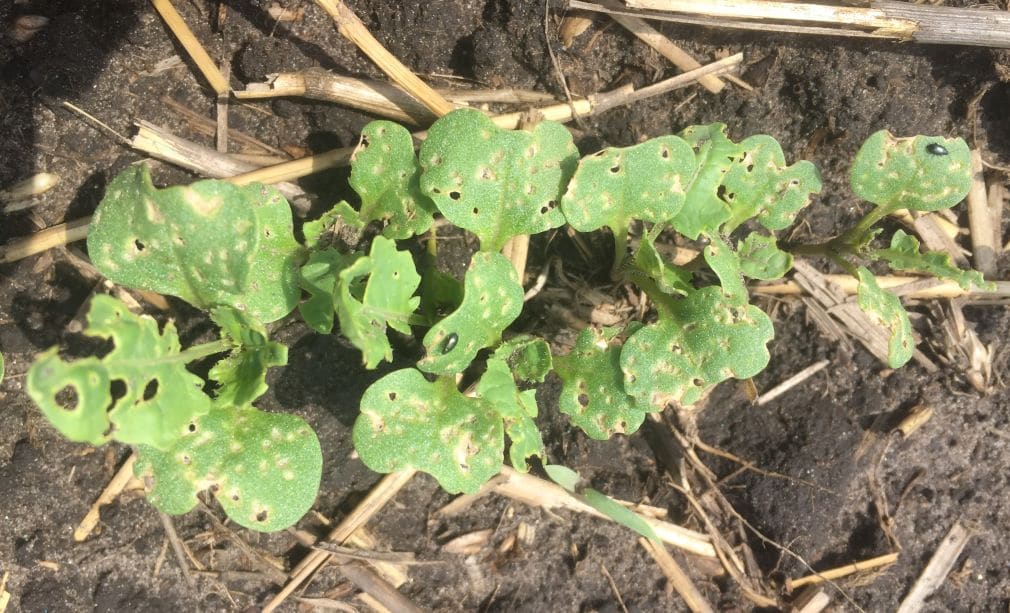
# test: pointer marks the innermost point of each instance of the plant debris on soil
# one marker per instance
(817, 478)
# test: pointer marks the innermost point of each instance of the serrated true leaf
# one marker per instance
(760, 258)
(669, 278)
(319, 278)
(699, 341)
(592, 392)
(922, 173)
(736, 181)
(493, 182)
(155, 399)
(647, 181)
(407, 421)
(385, 173)
(725, 263)
(903, 254)
(529, 357)
(492, 300)
(366, 308)
(342, 221)
(517, 409)
(241, 375)
(208, 243)
(885, 309)
(263, 468)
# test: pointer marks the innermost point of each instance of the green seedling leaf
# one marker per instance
(209, 243)
(529, 357)
(263, 468)
(385, 173)
(498, 388)
(408, 422)
(242, 375)
(903, 254)
(734, 182)
(670, 279)
(610, 508)
(725, 263)
(592, 392)
(387, 298)
(647, 181)
(319, 277)
(884, 308)
(441, 293)
(139, 393)
(699, 341)
(922, 173)
(492, 300)
(342, 220)
(496, 183)
(760, 258)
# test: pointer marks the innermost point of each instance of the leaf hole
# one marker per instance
(267, 233)
(455, 195)
(435, 190)
(392, 396)
(67, 398)
(192, 427)
(261, 516)
(185, 459)
(616, 168)
(476, 211)
(664, 153)
(151, 389)
(139, 245)
(698, 382)
(584, 400)
(235, 497)
(117, 389)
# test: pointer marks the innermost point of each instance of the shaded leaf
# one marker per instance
(885, 309)
(669, 278)
(493, 182)
(208, 243)
(157, 397)
(319, 277)
(263, 468)
(341, 220)
(922, 173)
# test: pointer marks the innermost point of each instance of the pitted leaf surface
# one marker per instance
(699, 341)
(208, 243)
(156, 398)
(408, 422)
(725, 263)
(647, 181)
(885, 309)
(386, 299)
(263, 468)
(922, 173)
(385, 174)
(592, 392)
(492, 300)
(529, 357)
(493, 182)
(760, 258)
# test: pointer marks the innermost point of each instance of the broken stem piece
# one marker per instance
(678, 579)
(842, 571)
(192, 46)
(118, 483)
(937, 569)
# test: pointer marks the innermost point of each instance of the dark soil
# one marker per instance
(819, 97)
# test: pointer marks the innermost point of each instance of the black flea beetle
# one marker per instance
(936, 149)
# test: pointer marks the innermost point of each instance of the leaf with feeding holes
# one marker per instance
(366, 308)
(319, 278)
(341, 221)
(570, 481)
(139, 393)
(592, 391)
(725, 263)
(492, 300)
(735, 182)
(647, 181)
(263, 468)
(385, 173)
(518, 409)
(903, 254)
(885, 309)
(242, 375)
(760, 258)
(699, 341)
(922, 173)
(529, 357)
(407, 421)
(208, 243)
(493, 182)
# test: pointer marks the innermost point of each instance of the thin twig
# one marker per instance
(842, 571)
(177, 547)
(192, 46)
(678, 579)
(110, 493)
(791, 382)
(937, 569)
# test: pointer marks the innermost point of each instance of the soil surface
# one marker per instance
(830, 480)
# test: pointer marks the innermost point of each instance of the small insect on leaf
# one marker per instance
(936, 149)
(449, 343)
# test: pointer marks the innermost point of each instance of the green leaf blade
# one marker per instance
(903, 254)
(760, 258)
(242, 374)
(496, 183)
(885, 309)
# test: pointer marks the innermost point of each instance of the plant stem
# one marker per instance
(620, 253)
(198, 351)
